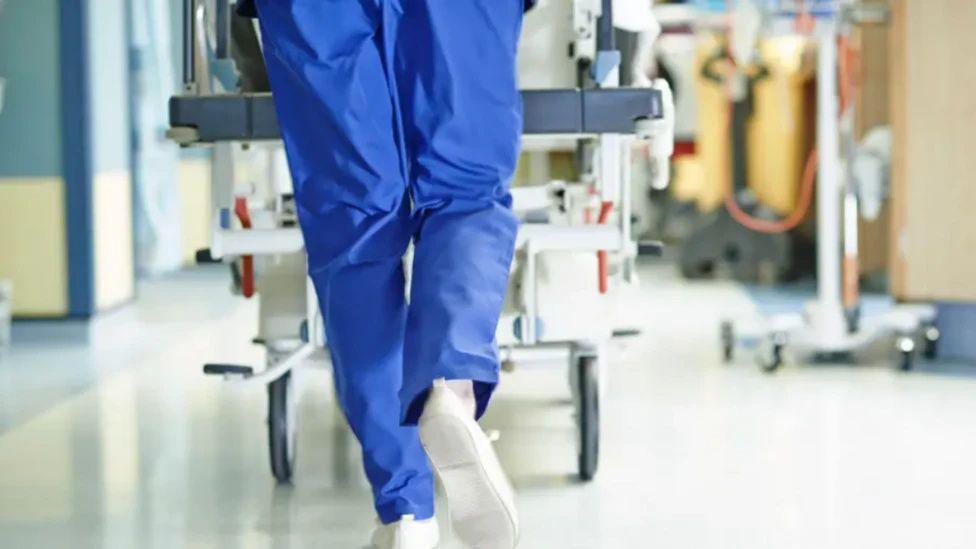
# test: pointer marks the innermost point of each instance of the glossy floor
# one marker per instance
(110, 437)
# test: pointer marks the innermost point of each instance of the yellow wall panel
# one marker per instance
(780, 133)
(33, 247)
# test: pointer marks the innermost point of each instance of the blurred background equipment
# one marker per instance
(832, 327)
(760, 109)
(745, 177)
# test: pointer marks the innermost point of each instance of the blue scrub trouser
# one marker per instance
(401, 119)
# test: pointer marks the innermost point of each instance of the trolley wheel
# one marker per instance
(931, 349)
(281, 429)
(770, 356)
(906, 353)
(589, 416)
(728, 340)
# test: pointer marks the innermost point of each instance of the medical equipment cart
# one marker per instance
(831, 327)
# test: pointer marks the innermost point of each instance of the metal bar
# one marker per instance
(604, 34)
(540, 352)
(201, 58)
(531, 296)
(229, 242)
(626, 206)
(302, 354)
(222, 49)
(189, 53)
(830, 324)
(553, 112)
(222, 185)
(547, 237)
(608, 170)
(533, 197)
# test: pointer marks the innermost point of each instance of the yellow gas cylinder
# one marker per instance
(779, 133)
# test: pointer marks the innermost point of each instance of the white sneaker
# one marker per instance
(479, 496)
(406, 533)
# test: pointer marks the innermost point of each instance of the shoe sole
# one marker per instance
(471, 480)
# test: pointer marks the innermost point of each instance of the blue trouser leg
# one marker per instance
(336, 108)
(462, 118)
(401, 119)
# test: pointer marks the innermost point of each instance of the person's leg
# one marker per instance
(462, 117)
(462, 122)
(328, 70)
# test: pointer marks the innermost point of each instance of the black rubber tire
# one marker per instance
(906, 345)
(728, 341)
(281, 452)
(906, 361)
(772, 363)
(589, 417)
(931, 349)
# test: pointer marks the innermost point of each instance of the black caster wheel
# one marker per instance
(931, 349)
(771, 356)
(728, 341)
(906, 353)
(589, 416)
(281, 429)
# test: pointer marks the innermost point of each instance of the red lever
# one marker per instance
(247, 261)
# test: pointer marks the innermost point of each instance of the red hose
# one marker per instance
(804, 24)
(848, 64)
(601, 256)
(247, 261)
(790, 222)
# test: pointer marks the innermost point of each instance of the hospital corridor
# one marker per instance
(141, 450)
(546, 274)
